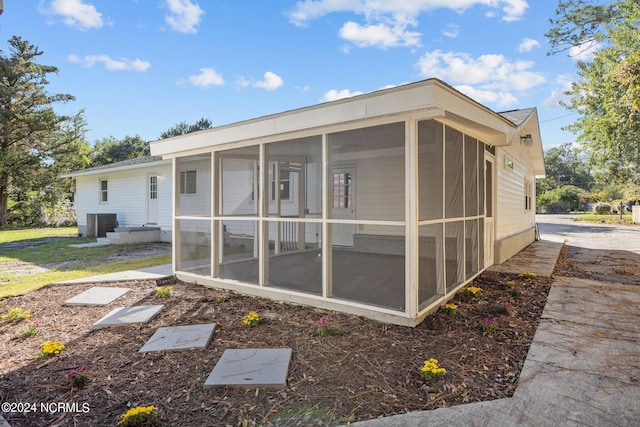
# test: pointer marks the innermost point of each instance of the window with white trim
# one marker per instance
(104, 194)
(188, 181)
(153, 187)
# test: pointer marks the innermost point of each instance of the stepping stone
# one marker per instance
(176, 338)
(128, 315)
(97, 296)
(251, 368)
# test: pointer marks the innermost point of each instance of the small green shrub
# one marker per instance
(558, 207)
(602, 208)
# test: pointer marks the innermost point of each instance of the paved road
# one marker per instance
(610, 253)
(559, 228)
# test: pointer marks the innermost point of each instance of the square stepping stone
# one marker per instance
(97, 296)
(175, 338)
(127, 315)
(251, 368)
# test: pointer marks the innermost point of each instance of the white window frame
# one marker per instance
(183, 182)
(103, 194)
(153, 187)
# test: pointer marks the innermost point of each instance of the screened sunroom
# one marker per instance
(380, 205)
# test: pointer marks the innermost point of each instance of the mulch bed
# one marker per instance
(364, 370)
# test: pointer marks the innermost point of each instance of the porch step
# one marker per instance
(132, 235)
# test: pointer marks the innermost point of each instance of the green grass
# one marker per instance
(607, 219)
(36, 233)
(74, 263)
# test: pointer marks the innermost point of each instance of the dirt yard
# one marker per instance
(363, 370)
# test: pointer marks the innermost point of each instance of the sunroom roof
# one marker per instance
(430, 98)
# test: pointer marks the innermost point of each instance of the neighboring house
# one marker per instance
(381, 205)
(137, 191)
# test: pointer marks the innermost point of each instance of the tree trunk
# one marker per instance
(4, 197)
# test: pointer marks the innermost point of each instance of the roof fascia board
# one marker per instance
(102, 171)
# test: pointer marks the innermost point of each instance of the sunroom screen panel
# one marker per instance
(454, 254)
(194, 238)
(295, 177)
(430, 263)
(454, 176)
(430, 143)
(373, 271)
(375, 160)
(295, 256)
(193, 184)
(239, 260)
(471, 176)
(239, 182)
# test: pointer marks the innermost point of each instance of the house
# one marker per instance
(381, 205)
(130, 194)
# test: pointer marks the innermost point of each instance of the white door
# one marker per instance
(152, 199)
(489, 232)
(343, 204)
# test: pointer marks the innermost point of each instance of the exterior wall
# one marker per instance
(127, 197)
(515, 225)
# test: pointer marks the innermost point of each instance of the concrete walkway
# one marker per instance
(149, 273)
(583, 366)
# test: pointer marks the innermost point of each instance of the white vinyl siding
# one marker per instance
(128, 191)
(511, 216)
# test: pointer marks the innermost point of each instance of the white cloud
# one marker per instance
(76, 14)
(585, 51)
(379, 35)
(501, 99)
(387, 22)
(184, 16)
(528, 44)
(489, 77)
(397, 11)
(452, 31)
(271, 81)
(207, 77)
(111, 64)
(557, 98)
(334, 95)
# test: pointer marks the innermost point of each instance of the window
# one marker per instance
(188, 182)
(284, 182)
(104, 197)
(527, 195)
(342, 190)
(153, 187)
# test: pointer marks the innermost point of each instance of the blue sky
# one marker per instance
(138, 67)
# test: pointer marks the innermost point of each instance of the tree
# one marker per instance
(607, 93)
(111, 150)
(184, 128)
(564, 165)
(32, 136)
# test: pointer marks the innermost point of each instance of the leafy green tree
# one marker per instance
(111, 150)
(565, 165)
(184, 128)
(607, 93)
(33, 138)
(568, 195)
